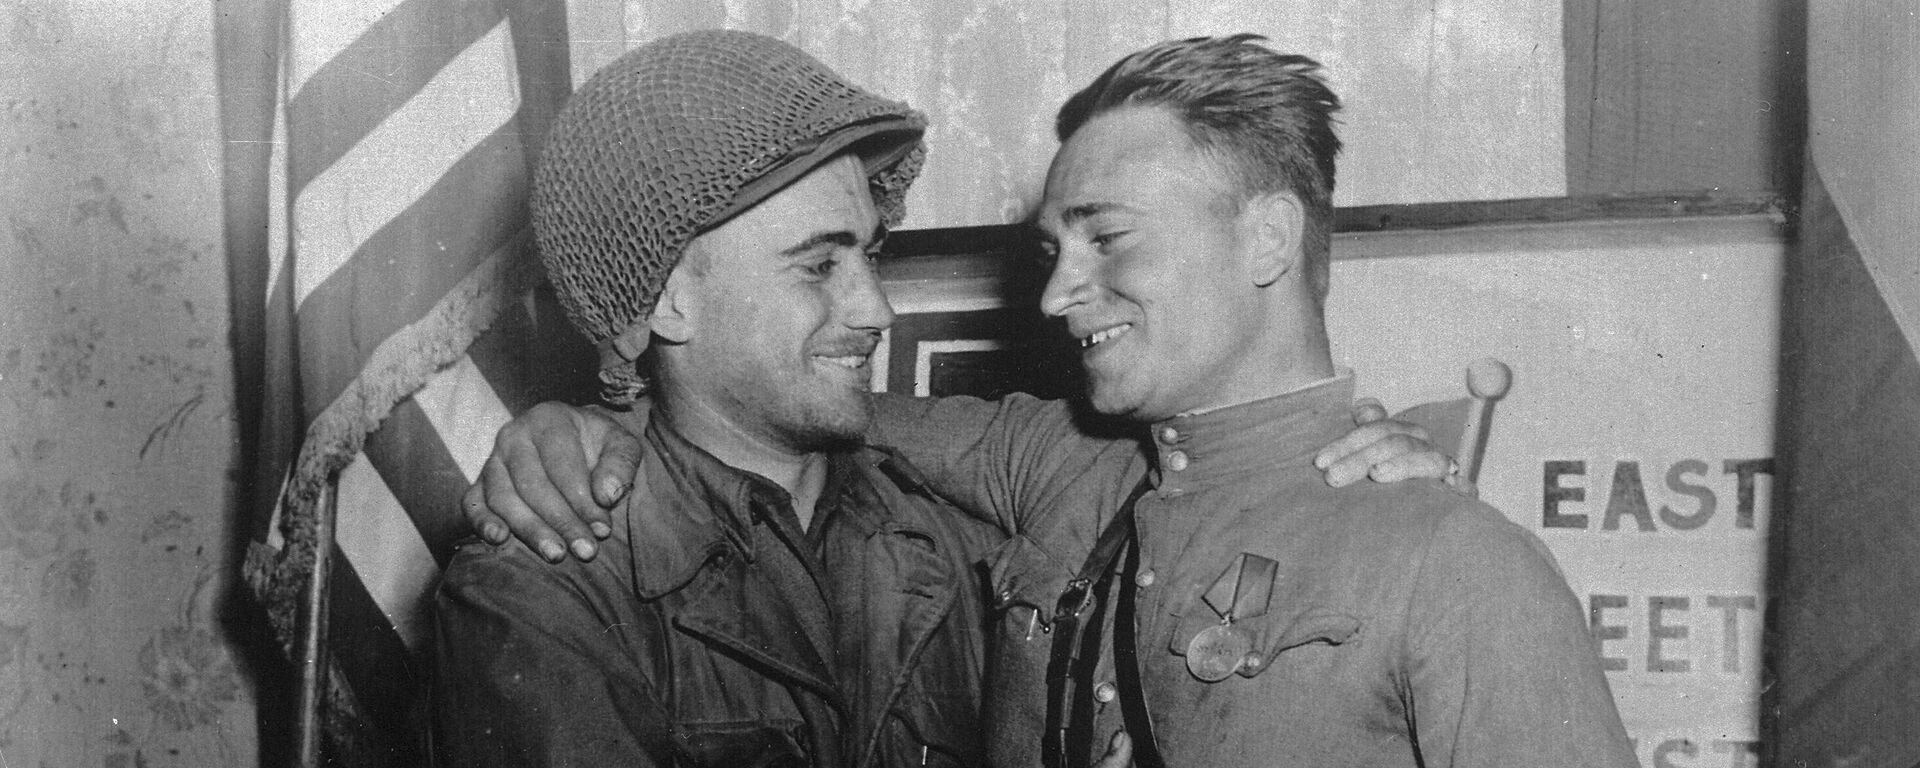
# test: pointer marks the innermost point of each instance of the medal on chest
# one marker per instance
(1241, 592)
(1217, 652)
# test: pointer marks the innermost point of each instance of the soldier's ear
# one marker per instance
(1273, 226)
(674, 318)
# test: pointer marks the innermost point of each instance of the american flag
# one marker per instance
(385, 326)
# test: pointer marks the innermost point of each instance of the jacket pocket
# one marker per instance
(935, 727)
(1269, 635)
(1290, 619)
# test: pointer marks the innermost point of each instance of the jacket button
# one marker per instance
(1105, 692)
(1177, 461)
(1144, 578)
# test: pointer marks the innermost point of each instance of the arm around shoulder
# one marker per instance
(992, 457)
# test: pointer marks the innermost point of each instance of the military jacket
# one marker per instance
(712, 631)
(1401, 624)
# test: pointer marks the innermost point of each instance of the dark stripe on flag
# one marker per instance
(1840, 626)
(417, 467)
(541, 52)
(531, 355)
(354, 91)
(408, 266)
(386, 679)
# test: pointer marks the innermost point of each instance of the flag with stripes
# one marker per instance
(388, 309)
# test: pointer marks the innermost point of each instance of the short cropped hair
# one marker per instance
(1265, 117)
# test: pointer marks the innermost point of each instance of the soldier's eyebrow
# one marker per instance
(838, 238)
(1084, 211)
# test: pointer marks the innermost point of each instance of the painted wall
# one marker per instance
(1446, 100)
(114, 393)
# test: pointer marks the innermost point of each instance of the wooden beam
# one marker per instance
(1556, 210)
(985, 252)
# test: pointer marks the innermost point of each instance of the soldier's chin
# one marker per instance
(1107, 398)
(833, 430)
(1114, 403)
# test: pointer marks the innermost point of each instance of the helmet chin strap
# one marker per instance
(621, 382)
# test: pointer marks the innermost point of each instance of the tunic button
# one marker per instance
(1169, 435)
(1105, 692)
(1177, 461)
(1144, 578)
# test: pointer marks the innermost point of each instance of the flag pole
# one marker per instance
(313, 634)
(1487, 380)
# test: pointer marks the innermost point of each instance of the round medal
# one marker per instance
(1217, 651)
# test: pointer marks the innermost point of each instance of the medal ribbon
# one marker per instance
(1252, 589)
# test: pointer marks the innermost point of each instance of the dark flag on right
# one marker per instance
(1844, 650)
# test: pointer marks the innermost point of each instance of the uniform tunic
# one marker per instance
(712, 631)
(1407, 625)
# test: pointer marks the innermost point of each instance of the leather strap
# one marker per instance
(1126, 666)
(1076, 650)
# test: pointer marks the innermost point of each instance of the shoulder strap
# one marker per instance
(1078, 617)
(1126, 667)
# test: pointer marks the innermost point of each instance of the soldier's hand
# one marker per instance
(537, 486)
(1384, 449)
(1119, 752)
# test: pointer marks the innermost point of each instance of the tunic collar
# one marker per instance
(697, 502)
(1196, 451)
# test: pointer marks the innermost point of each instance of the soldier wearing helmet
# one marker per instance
(707, 208)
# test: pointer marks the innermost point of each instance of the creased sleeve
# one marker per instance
(536, 666)
(1502, 669)
(1001, 459)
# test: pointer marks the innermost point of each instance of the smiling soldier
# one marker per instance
(779, 596)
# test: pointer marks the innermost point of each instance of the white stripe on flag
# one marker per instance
(375, 534)
(465, 411)
(275, 538)
(324, 28)
(401, 159)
